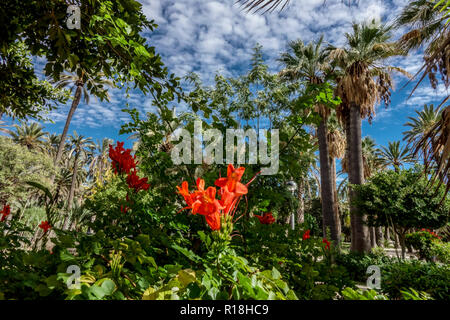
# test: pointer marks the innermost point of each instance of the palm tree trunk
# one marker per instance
(387, 234)
(72, 185)
(326, 181)
(337, 216)
(373, 237)
(301, 203)
(360, 238)
(75, 103)
(379, 236)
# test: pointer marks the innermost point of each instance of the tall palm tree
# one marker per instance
(81, 84)
(309, 63)
(395, 155)
(28, 135)
(365, 80)
(337, 143)
(79, 148)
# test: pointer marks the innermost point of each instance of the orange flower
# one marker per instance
(227, 200)
(206, 202)
(213, 220)
(232, 181)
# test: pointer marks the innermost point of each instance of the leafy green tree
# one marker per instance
(108, 44)
(19, 164)
(402, 200)
(22, 94)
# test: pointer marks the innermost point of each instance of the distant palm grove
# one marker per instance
(137, 226)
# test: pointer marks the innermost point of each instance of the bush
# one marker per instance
(422, 241)
(441, 251)
(357, 263)
(431, 278)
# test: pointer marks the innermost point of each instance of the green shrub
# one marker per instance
(441, 251)
(431, 278)
(357, 263)
(423, 241)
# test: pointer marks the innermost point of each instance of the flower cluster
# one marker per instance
(204, 202)
(121, 158)
(124, 163)
(266, 218)
(5, 212)
(327, 243)
(431, 232)
(45, 226)
(306, 235)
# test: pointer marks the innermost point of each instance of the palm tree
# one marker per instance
(99, 160)
(395, 155)
(270, 5)
(3, 126)
(337, 143)
(427, 21)
(28, 135)
(421, 125)
(309, 63)
(79, 144)
(364, 81)
(436, 150)
(81, 84)
(51, 143)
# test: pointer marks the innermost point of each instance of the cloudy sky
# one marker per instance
(209, 36)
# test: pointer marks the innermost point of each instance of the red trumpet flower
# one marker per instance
(136, 183)
(266, 218)
(306, 235)
(327, 243)
(5, 212)
(45, 226)
(121, 158)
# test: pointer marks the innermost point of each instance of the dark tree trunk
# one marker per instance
(326, 181)
(360, 236)
(75, 103)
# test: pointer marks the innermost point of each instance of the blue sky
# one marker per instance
(207, 36)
